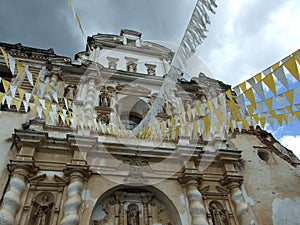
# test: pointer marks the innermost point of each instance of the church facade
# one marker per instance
(66, 160)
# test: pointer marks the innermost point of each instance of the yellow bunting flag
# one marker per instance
(172, 122)
(263, 122)
(298, 115)
(229, 95)
(249, 94)
(275, 66)
(269, 81)
(209, 105)
(163, 128)
(5, 56)
(17, 103)
(21, 93)
(32, 108)
(292, 68)
(20, 68)
(250, 109)
(1, 96)
(243, 86)
(177, 132)
(233, 108)
(189, 114)
(69, 5)
(255, 117)
(195, 129)
(206, 124)
(279, 119)
(186, 130)
(290, 109)
(6, 85)
(258, 77)
(290, 96)
(198, 110)
(269, 103)
(180, 119)
(36, 99)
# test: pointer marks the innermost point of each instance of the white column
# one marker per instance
(73, 201)
(196, 207)
(12, 198)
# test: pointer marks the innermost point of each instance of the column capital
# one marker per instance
(25, 168)
(232, 180)
(75, 170)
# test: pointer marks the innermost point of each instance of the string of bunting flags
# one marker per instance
(227, 111)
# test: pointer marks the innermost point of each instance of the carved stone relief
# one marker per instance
(131, 208)
(41, 211)
(218, 213)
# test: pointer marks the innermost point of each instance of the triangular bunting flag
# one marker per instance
(249, 94)
(243, 86)
(5, 56)
(262, 122)
(29, 75)
(298, 91)
(258, 77)
(20, 68)
(290, 96)
(27, 96)
(280, 100)
(229, 95)
(6, 85)
(292, 68)
(12, 64)
(257, 87)
(275, 66)
(17, 103)
(269, 103)
(21, 93)
(280, 75)
(269, 81)
(298, 115)
(13, 89)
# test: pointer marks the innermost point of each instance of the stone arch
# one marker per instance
(151, 206)
(131, 110)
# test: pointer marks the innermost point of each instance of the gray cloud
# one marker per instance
(239, 42)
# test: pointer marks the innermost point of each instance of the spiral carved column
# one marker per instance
(12, 198)
(196, 208)
(73, 201)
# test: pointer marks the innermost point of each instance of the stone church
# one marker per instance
(60, 172)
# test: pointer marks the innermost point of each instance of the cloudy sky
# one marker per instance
(245, 36)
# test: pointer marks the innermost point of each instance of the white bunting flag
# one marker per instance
(298, 91)
(260, 107)
(13, 89)
(42, 73)
(25, 106)
(29, 75)
(240, 126)
(280, 75)
(39, 111)
(27, 96)
(280, 100)
(12, 64)
(8, 100)
(42, 102)
(257, 87)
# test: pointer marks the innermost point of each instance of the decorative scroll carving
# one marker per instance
(42, 209)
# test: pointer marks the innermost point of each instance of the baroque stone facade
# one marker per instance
(58, 173)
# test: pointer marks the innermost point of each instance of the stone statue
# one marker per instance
(41, 213)
(70, 92)
(104, 98)
(133, 214)
(218, 215)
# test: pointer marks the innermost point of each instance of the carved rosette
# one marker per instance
(12, 198)
(73, 201)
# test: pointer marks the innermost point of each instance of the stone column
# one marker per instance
(196, 208)
(120, 196)
(146, 198)
(76, 174)
(12, 197)
(89, 99)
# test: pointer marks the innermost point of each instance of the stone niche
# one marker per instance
(132, 207)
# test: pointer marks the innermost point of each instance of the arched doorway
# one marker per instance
(134, 206)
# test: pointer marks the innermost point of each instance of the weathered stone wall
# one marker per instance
(271, 186)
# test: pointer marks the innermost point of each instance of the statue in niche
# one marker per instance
(133, 214)
(70, 92)
(42, 209)
(219, 216)
(104, 98)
